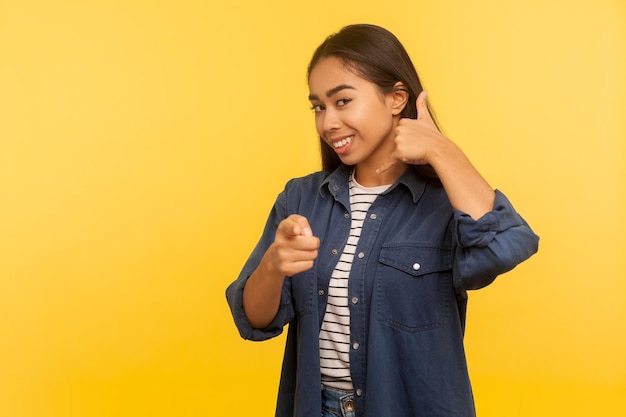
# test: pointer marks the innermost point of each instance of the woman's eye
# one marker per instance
(342, 102)
(317, 108)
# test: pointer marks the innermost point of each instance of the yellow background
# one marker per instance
(142, 144)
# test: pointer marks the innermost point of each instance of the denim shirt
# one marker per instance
(415, 260)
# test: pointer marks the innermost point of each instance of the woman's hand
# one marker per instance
(418, 142)
(295, 248)
(415, 138)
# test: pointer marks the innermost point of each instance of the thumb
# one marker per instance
(422, 107)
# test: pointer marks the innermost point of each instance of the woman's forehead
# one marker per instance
(331, 72)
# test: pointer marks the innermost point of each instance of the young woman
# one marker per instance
(369, 261)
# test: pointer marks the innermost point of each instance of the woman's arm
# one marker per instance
(418, 141)
(293, 251)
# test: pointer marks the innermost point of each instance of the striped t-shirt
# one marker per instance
(335, 331)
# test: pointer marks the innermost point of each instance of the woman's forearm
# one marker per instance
(467, 190)
(261, 294)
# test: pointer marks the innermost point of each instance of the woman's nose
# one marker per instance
(330, 120)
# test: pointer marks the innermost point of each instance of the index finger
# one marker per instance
(298, 226)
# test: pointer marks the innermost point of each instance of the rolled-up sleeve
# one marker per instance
(234, 292)
(491, 245)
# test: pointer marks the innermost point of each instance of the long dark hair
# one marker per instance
(375, 54)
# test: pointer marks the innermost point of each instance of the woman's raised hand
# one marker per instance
(415, 138)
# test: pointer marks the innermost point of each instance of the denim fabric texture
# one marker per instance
(337, 403)
(414, 263)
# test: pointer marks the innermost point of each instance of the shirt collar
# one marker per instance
(337, 179)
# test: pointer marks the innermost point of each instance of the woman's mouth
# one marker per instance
(343, 142)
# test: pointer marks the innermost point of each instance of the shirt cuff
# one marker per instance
(235, 299)
(479, 233)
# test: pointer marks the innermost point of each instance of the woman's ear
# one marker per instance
(399, 97)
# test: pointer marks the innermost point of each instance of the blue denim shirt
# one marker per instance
(415, 260)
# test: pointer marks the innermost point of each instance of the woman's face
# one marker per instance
(352, 115)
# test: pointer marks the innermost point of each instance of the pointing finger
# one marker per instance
(297, 225)
(305, 229)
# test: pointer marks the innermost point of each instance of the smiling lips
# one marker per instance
(343, 142)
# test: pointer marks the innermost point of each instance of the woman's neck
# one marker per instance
(368, 177)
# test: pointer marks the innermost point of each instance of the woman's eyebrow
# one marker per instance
(332, 91)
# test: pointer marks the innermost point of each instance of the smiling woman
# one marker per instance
(386, 254)
(354, 118)
(134, 183)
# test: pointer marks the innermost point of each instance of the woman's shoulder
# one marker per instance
(313, 181)
(312, 178)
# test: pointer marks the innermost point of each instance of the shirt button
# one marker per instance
(334, 251)
(356, 346)
(346, 216)
(321, 292)
(355, 300)
(359, 392)
(416, 266)
(361, 255)
(373, 216)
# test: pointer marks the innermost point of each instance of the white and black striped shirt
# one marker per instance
(335, 331)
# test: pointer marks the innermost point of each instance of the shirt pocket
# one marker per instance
(414, 288)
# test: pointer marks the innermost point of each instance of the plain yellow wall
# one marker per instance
(142, 144)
